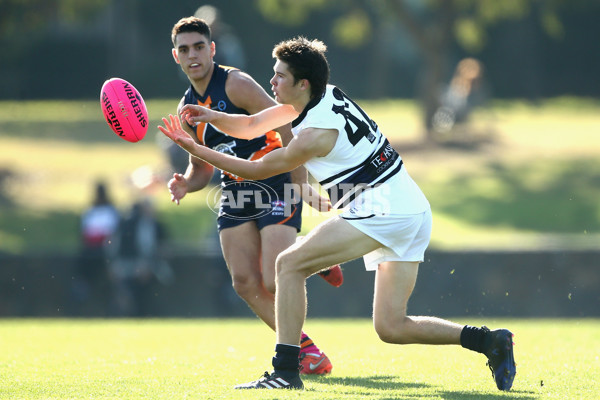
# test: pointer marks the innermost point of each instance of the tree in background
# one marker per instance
(38, 16)
(435, 28)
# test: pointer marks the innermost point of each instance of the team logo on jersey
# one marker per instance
(221, 106)
(384, 159)
(226, 148)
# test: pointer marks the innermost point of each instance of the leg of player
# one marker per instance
(241, 247)
(394, 284)
(333, 275)
(325, 245)
(275, 239)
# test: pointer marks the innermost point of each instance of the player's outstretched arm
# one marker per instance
(276, 162)
(238, 125)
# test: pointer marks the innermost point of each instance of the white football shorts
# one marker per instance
(405, 237)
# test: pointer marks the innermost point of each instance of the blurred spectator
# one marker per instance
(136, 260)
(98, 223)
(465, 91)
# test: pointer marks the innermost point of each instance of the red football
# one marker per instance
(124, 109)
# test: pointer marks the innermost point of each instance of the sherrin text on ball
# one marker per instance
(124, 109)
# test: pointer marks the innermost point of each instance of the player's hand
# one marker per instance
(312, 197)
(177, 187)
(174, 132)
(194, 114)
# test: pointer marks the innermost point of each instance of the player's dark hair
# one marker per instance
(190, 24)
(305, 60)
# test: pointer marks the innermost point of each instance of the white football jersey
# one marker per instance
(362, 157)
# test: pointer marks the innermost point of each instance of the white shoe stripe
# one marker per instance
(283, 382)
(275, 384)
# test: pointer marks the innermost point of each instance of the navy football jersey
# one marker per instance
(216, 98)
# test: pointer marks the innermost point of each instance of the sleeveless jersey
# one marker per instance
(216, 98)
(362, 157)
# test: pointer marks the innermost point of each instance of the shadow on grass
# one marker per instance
(462, 395)
(376, 382)
(389, 382)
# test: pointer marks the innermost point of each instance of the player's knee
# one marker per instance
(392, 331)
(385, 332)
(288, 263)
(245, 285)
(283, 265)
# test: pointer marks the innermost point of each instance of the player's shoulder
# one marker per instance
(317, 141)
(238, 79)
(246, 93)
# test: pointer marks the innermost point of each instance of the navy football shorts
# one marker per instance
(256, 201)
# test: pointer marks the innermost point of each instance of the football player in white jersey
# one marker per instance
(252, 229)
(386, 218)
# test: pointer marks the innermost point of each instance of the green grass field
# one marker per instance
(532, 182)
(203, 359)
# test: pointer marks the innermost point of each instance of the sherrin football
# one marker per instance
(124, 109)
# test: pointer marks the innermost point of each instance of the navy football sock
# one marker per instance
(474, 338)
(286, 362)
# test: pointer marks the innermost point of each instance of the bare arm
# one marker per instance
(238, 125)
(196, 176)
(301, 149)
(299, 176)
(198, 172)
(247, 94)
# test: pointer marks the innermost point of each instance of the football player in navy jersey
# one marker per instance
(386, 219)
(255, 229)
